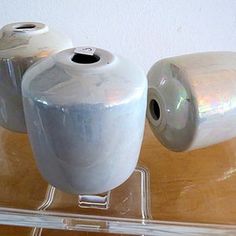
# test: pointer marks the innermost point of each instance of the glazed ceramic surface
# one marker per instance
(21, 45)
(85, 117)
(192, 100)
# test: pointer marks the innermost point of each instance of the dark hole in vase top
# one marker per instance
(85, 59)
(26, 26)
(154, 109)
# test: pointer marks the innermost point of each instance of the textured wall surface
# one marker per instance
(142, 30)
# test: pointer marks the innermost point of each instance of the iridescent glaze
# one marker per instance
(85, 121)
(192, 100)
(21, 45)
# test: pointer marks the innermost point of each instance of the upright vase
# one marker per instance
(21, 45)
(85, 115)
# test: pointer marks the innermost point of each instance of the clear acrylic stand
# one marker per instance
(131, 199)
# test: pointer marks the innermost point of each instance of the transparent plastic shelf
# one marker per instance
(169, 193)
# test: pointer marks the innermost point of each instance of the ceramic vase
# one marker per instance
(192, 100)
(85, 116)
(21, 45)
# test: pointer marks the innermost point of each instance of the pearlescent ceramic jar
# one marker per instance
(21, 45)
(85, 116)
(192, 100)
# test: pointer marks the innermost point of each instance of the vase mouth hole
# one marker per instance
(25, 27)
(155, 109)
(85, 59)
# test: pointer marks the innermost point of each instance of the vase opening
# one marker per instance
(26, 26)
(85, 59)
(154, 109)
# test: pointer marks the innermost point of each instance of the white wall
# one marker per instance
(142, 30)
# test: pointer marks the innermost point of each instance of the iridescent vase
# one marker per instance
(85, 116)
(21, 45)
(192, 100)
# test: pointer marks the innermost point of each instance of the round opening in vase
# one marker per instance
(85, 59)
(25, 27)
(154, 109)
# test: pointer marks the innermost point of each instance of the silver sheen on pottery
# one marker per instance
(192, 100)
(85, 116)
(21, 45)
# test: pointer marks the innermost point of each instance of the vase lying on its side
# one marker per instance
(191, 100)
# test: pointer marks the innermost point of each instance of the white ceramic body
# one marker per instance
(85, 121)
(195, 100)
(21, 45)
